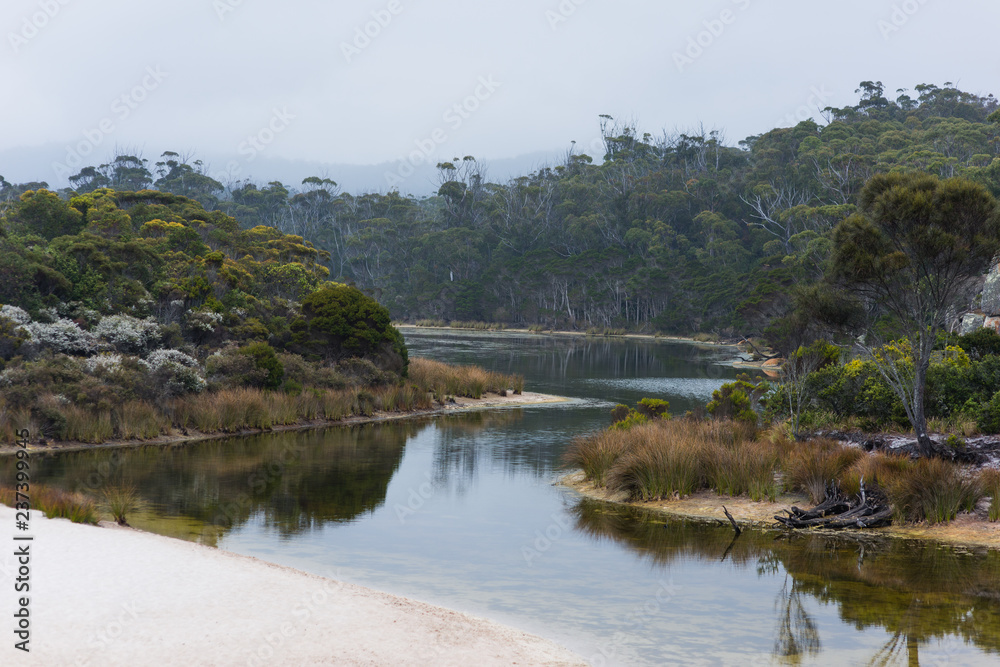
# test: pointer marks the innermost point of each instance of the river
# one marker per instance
(463, 511)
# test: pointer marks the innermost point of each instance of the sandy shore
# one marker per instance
(116, 596)
(461, 403)
(966, 530)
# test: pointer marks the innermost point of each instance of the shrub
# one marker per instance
(266, 361)
(55, 503)
(654, 408)
(989, 482)
(812, 465)
(931, 490)
(989, 415)
(732, 401)
(339, 321)
(62, 336)
(129, 334)
(595, 454)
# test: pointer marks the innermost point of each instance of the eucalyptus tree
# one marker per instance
(913, 254)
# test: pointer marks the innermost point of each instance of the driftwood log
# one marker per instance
(869, 509)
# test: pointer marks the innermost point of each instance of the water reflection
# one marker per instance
(289, 482)
(919, 593)
(579, 366)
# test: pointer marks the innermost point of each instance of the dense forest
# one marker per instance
(678, 233)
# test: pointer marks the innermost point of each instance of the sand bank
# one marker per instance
(116, 596)
(460, 403)
(966, 530)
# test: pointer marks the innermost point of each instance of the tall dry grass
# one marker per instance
(443, 379)
(931, 490)
(989, 483)
(812, 465)
(138, 420)
(658, 466)
(678, 457)
(55, 503)
(665, 458)
(596, 453)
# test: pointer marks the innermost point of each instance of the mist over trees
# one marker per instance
(673, 232)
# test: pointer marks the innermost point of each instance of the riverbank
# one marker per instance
(458, 403)
(767, 366)
(969, 530)
(578, 334)
(117, 596)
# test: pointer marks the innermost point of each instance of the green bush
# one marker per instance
(266, 361)
(339, 321)
(654, 408)
(733, 401)
(989, 415)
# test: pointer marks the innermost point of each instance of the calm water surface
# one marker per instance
(463, 511)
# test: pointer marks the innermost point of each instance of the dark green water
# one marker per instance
(462, 511)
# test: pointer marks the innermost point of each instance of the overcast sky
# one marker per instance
(247, 81)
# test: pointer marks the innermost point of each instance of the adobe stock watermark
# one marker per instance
(255, 144)
(223, 7)
(899, 17)
(416, 499)
(545, 539)
(454, 117)
(616, 648)
(713, 29)
(105, 637)
(562, 13)
(818, 97)
(122, 107)
(32, 26)
(264, 137)
(285, 633)
(363, 35)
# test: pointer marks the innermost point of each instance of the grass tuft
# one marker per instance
(989, 483)
(55, 503)
(121, 499)
(812, 465)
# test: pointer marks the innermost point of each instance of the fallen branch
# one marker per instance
(868, 509)
(732, 521)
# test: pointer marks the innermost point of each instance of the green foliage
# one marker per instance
(266, 361)
(989, 415)
(43, 213)
(624, 417)
(980, 343)
(654, 408)
(735, 401)
(340, 321)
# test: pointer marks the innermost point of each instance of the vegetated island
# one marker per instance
(703, 467)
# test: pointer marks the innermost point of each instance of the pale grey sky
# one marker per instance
(247, 83)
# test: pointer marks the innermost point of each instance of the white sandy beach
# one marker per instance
(116, 596)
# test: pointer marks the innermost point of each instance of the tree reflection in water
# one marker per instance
(918, 593)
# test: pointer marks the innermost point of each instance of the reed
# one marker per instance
(930, 490)
(989, 482)
(56, 503)
(453, 380)
(138, 420)
(83, 425)
(120, 499)
(812, 465)
(597, 453)
(662, 467)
